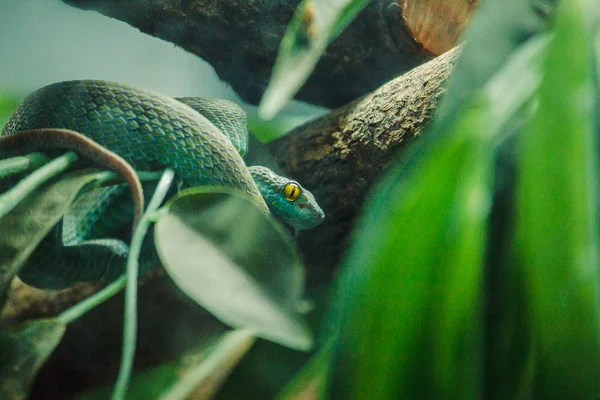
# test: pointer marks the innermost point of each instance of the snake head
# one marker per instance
(287, 199)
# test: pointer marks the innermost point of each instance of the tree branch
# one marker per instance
(340, 155)
(240, 39)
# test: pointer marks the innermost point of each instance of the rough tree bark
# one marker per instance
(341, 154)
(240, 39)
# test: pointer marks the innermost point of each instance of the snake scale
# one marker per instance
(201, 140)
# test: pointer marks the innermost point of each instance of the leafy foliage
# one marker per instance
(490, 40)
(410, 306)
(26, 225)
(409, 313)
(431, 277)
(556, 226)
(256, 289)
(23, 350)
(472, 272)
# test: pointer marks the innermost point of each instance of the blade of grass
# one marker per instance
(14, 165)
(556, 244)
(411, 289)
(130, 325)
(78, 310)
(27, 185)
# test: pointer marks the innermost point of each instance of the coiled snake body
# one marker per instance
(202, 140)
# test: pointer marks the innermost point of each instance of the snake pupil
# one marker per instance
(292, 191)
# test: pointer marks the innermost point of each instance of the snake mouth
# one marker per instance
(315, 214)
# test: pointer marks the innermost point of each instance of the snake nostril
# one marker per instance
(316, 215)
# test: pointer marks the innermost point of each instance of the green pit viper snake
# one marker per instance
(201, 140)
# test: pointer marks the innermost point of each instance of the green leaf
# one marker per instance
(597, 52)
(497, 30)
(204, 380)
(235, 261)
(556, 233)
(314, 24)
(286, 121)
(23, 350)
(30, 221)
(31, 182)
(311, 382)
(410, 293)
(132, 273)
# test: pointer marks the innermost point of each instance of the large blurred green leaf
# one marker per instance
(411, 292)
(314, 24)
(234, 260)
(411, 289)
(556, 243)
(311, 382)
(30, 221)
(23, 350)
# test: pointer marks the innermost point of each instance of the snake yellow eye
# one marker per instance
(292, 191)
